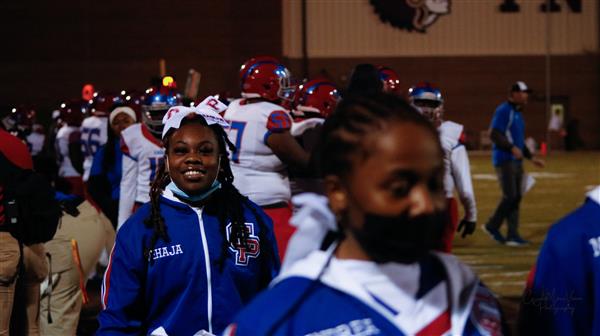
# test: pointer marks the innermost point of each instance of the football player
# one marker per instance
(313, 102)
(260, 129)
(68, 145)
(427, 99)
(143, 150)
(36, 140)
(94, 128)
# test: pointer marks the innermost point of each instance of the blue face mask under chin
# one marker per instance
(194, 198)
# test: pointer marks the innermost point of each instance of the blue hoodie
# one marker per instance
(182, 289)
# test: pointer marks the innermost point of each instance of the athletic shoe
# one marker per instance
(495, 234)
(516, 241)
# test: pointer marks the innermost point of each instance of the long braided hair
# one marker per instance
(226, 203)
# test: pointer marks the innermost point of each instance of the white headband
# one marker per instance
(208, 109)
(121, 109)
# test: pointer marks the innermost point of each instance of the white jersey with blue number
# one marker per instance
(258, 172)
(35, 143)
(93, 135)
(65, 136)
(142, 155)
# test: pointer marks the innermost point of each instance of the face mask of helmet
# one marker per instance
(154, 107)
(431, 109)
(152, 116)
(286, 89)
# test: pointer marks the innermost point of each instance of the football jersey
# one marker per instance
(142, 155)
(457, 172)
(258, 172)
(93, 135)
(65, 136)
(35, 143)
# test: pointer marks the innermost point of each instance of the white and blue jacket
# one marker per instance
(181, 289)
(319, 296)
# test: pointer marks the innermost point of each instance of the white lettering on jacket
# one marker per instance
(167, 251)
(363, 327)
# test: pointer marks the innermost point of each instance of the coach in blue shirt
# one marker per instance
(508, 137)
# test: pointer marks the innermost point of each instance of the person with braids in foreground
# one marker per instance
(191, 258)
(383, 168)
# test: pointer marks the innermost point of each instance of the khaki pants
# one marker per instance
(93, 233)
(9, 263)
(35, 271)
(65, 305)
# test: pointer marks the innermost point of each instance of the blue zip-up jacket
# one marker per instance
(182, 289)
(509, 121)
(564, 298)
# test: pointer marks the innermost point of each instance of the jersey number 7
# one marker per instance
(238, 127)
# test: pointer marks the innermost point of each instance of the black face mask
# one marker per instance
(400, 238)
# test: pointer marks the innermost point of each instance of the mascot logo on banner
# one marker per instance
(411, 14)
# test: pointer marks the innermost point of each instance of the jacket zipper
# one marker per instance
(207, 265)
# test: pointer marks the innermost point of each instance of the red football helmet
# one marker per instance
(102, 103)
(316, 98)
(72, 112)
(265, 77)
(390, 79)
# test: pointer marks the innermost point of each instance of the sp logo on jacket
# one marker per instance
(243, 254)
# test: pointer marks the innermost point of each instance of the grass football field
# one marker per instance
(559, 188)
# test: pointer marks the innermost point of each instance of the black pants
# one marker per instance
(510, 177)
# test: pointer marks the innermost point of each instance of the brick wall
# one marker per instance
(474, 86)
(51, 48)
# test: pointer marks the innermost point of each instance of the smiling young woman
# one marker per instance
(199, 251)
